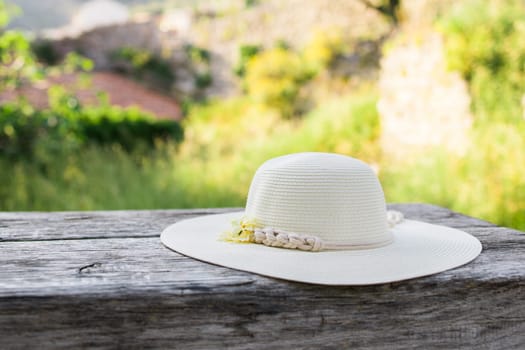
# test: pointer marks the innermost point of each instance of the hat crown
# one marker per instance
(334, 197)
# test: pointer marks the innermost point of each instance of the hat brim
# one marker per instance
(419, 249)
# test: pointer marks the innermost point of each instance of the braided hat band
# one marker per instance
(248, 231)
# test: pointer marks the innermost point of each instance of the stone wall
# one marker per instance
(221, 31)
(98, 44)
(101, 43)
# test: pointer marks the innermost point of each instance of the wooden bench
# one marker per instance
(103, 279)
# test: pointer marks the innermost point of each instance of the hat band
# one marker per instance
(280, 239)
(248, 231)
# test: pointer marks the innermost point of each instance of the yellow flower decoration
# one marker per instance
(242, 231)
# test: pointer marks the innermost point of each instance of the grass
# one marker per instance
(487, 182)
(94, 178)
(225, 143)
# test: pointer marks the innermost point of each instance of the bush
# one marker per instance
(45, 52)
(246, 52)
(275, 77)
(67, 125)
(145, 66)
(203, 80)
(20, 129)
(487, 182)
(484, 41)
(324, 48)
(197, 55)
(278, 77)
(126, 127)
(17, 62)
(199, 60)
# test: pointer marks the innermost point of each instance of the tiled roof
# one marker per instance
(121, 91)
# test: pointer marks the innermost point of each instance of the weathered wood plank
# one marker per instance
(113, 284)
(32, 226)
(116, 265)
(265, 316)
(49, 268)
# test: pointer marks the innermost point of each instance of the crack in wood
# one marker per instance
(85, 217)
(87, 268)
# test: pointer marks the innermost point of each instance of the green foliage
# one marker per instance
(73, 62)
(145, 66)
(487, 182)
(94, 177)
(67, 126)
(251, 3)
(494, 171)
(390, 9)
(278, 77)
(6, 12)
(17, 62)
(324, 48)
(275, 77)
(203, 80)
(484, 41)
(128, 128)
(68, 155)
(225, 142)
(197, 55)
(246, 52)
(282, 44)
(200, 65)
(44, 52)
(22, 129)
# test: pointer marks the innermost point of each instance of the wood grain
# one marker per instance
(37, 226)
(104, 280)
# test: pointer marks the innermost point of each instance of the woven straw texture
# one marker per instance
(334, 197)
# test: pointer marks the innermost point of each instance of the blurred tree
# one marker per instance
(484, 42)
(388, 8)
(324, 48)
(6, 11)
(245, 53)
(275, 77)
(17, 62)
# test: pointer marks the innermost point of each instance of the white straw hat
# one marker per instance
(321, 218)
